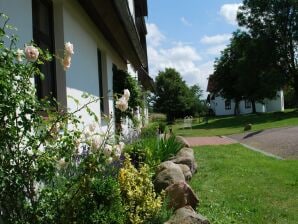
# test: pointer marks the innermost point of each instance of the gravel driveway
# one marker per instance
(282, 142)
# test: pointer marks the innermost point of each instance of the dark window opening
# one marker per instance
(100, 79)
(228, 104)
(43, 35)
(247, 104)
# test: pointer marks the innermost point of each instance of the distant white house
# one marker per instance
(220, 106)
(105, 33)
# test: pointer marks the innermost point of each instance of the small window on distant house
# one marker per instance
(43, 35)
(228, 104)
(247, 104)
(100, 81)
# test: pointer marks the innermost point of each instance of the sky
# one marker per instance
(188, 35)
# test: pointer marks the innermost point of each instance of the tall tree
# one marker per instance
(277, 20)
(244, 70)
(173, 97)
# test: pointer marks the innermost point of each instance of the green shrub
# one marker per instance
(152, 151)
(156, 117)
(140, 200)
(167, 147)
(150, 131)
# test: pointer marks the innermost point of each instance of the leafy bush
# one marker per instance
(152, 151)
(140, 201)
(157, 117)
(52, 168)
(150, 131)
(167, 147)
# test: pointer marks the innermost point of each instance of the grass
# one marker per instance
(236, 185)
(226, 125)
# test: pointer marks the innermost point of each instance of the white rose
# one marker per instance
(117, 152)
(96, 142)
(122, 104)
(126, 94)
(31, 53)
(20, 53)
(66, 62)
(92, 127)
(108, 149)
(68, 48)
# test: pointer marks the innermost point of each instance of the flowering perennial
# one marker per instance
(31, 53)
(122, 102)
(68, 52)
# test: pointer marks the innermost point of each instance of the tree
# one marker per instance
(244, 70)
(276, 20)
(173, 97)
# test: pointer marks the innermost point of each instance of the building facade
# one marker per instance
(220, 106)
(104, 34)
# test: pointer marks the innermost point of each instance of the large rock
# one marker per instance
(183, 141)
(180, 194)
(166, 165)
(186, 171)
(168, 173)
(186, 156)
(186, 215)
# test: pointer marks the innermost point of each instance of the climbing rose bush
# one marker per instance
(53, 168)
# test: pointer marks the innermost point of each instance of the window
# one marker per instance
(100, 81)
(228, 104)
(43, 35)
(247, 104)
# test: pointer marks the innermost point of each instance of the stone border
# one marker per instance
(172, 177)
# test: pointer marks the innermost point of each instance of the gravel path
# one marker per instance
(282, 142)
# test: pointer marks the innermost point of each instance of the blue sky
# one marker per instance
(188, 35)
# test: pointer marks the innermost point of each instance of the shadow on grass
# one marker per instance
(241, 120)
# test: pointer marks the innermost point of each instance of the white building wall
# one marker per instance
(277, 104)
(218, 106)
(242, 108)
(83, 74)
(78, 29)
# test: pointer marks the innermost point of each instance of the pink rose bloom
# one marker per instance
(68, 47)
(66, 63)
(31, 53)
(122, 104)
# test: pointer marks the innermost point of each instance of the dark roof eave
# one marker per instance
(146, 81)
(127, 19)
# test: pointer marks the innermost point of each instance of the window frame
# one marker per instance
(228, 105)
(47, 87)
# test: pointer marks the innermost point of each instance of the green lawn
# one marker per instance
(236, 185)
(227, 125)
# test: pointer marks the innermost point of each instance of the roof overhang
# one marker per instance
(146, 81)
(114, 20)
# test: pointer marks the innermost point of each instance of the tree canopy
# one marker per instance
(277, 21)
(247, 69)
(173, 97)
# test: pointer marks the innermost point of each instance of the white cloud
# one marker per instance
(229, 12)
(216, 39)
(185, 21)
(154, 37)
(215, 50)
(181, 56)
